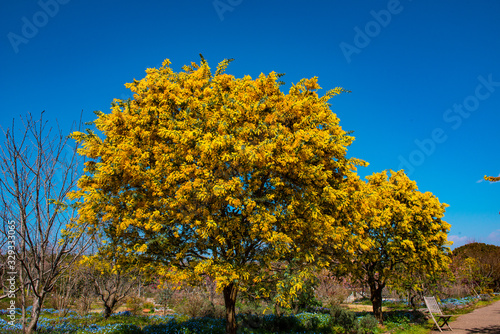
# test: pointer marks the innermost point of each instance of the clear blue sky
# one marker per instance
(424, 75)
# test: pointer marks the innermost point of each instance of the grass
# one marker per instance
(412, 330)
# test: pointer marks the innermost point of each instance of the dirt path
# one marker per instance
(484, 320)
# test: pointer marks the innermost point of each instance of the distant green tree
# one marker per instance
(486, 259)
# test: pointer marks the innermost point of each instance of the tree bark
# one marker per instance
(376, 299)
(107, 311)
(230, 293)
(35, 314)
(109, 305)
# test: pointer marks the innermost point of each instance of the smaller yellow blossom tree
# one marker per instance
(396, 229)
(113, 274)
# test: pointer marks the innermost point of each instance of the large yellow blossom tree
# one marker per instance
(205, 173)
(395, 230)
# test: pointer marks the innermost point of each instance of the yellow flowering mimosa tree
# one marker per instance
(205, 173)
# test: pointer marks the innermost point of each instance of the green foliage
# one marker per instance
(303, 322)
(306, 300)
(366, 324)
(342, 317)
(252, 306)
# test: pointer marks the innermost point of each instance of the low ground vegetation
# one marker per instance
(337, 319)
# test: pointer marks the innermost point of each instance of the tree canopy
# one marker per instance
(205, 173)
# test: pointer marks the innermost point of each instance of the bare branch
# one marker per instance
(38, 169)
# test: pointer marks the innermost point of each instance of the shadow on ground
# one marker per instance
(493, 329)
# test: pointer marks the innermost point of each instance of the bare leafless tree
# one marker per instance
(39, 167)
(65, 292)
(85, 291)
(114, 287)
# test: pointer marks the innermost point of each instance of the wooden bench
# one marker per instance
(435, 310)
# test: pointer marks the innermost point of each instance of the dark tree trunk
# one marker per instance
(376, 299)
(109, 304)
(230, 293)
(412, 302)
(107, 311)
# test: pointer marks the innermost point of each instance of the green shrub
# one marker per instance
(251, 307)
(311, 323)
(306, 298)
(366, 324)
(342, 317)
